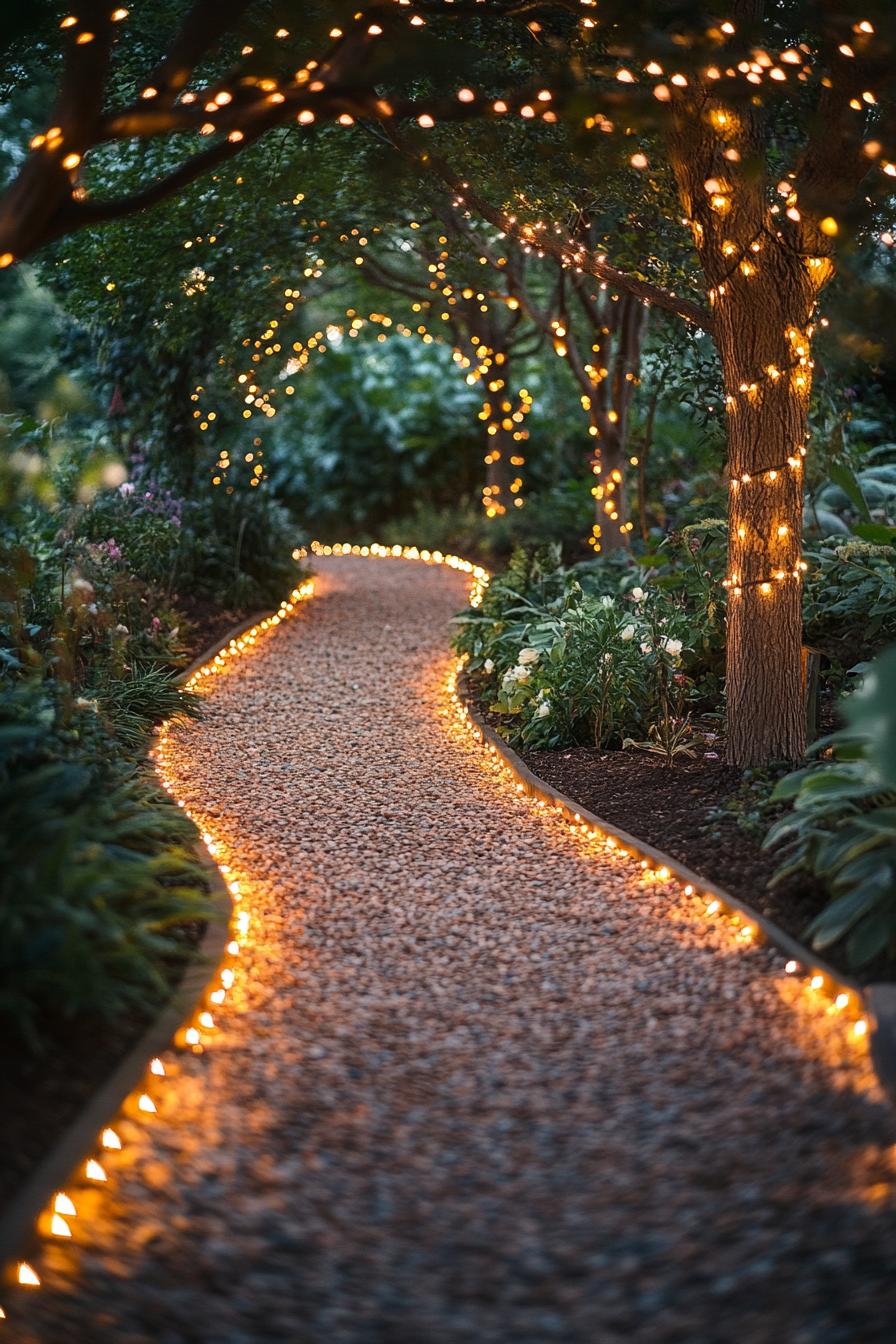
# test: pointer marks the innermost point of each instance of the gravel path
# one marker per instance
(473, 1084)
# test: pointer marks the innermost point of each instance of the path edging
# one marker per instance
(878, 1001)
(18, 1222)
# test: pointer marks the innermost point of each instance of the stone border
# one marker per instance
(877, 1000)
(18, 1222)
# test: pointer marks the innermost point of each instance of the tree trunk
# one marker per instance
(504, 456)
(763, 333)
(643, 457)
(763, 277)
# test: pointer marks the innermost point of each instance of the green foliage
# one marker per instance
(562, 665)
(96, 880)
(97, 876)
(686, 568)
(842, 826)
(375, 430)
(849, 597)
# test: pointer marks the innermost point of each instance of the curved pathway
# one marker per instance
(472, 1084)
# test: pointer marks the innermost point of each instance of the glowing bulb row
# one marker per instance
(480, 577)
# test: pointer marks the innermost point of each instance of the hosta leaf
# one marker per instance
(871, 937)
(839, 917)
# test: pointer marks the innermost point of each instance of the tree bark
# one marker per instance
(763, 334)
(610, 501)
(503, 457)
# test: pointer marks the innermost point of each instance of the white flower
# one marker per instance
(628, 633)
(82, 586)
(121, 630)
(672, 646)
(645, 647)
(543, 709)
(606, 601)
(529, 656)
(638, 594)
(488, 665)
(126, 488)
(81, 703)
(509, 677)
(521, 674)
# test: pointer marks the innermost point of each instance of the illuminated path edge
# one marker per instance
(878, 1001)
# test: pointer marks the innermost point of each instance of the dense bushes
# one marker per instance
(585, 654)
(849, 605)
(842, 825)
(98, 883)
(563, 662)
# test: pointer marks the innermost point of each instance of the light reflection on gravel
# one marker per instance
(472, 1084)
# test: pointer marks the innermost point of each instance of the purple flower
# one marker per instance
(126, 488)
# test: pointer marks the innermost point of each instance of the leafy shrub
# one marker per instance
(133, 703)
(237, 549)
(565, 666)
(96, 881)
(842, 828)
(849, 600)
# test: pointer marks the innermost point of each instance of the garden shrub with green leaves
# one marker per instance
(98, 880)
(562, 665)
(842, 825)
(849, 596)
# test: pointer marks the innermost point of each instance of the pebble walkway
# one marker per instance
(474, 1083)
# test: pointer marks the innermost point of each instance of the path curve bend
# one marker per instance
(473, 1083)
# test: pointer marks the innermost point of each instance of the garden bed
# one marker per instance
(52, 1088)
